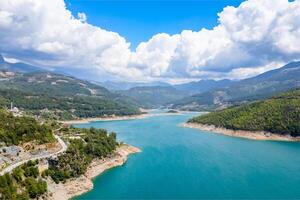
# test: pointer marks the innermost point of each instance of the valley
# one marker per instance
(150, 100)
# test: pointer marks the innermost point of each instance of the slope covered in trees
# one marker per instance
(23, 183)
(61, 97)
(280, 114)
(94, 143)
(16, 130)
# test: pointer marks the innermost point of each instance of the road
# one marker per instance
(13, 166)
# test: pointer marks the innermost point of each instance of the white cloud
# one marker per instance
(248, 40)
(82, 17)
(45, 32)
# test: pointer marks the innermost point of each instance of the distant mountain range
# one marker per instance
(251, 89)
(123, 85)
(197, 96)
(154, 96)
(203, 85)
(162, 95)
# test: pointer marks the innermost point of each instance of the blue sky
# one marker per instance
(251, 37)
(138, 21)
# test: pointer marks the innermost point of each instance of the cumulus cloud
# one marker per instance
(257, 36)
(248, 40)
(44, 32)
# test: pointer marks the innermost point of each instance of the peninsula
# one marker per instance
(48, 160)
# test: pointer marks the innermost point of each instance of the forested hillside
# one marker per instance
(280, 114)
(61, 97)
(94, 143)
(16, 130)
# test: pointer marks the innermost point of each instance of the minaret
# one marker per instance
(11, 106)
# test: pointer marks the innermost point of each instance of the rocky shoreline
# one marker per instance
(82, 184)
(253, 135)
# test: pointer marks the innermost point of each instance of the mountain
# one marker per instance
(203, 85)
(260, 87)
(279, 114)
(18, 67)
(154, 96)
(163, 93)
(115, 86)
(61, 96)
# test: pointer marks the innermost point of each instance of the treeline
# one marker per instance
(23, 183)
(94, 143)
(280, 114)
(16, 130)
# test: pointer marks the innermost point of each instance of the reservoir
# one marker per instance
(183, 163)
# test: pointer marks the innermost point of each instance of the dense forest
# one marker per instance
(94, 143)
(16, 130)
(23, 183)
(280, 114)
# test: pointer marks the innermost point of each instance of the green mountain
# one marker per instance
(279, 114)
(154, 96)
(61, 96)
(260, 87)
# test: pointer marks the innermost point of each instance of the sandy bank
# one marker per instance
(253, 135)
(82, 184)
(111, 118)
(118, 118)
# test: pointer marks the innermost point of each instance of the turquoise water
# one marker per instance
(183, 163)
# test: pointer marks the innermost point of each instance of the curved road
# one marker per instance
(13, 166)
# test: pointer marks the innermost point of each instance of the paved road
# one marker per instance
(13, 166)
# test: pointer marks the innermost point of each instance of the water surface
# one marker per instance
(183, 163)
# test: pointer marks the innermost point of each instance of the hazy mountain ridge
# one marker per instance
(259, 87)
(203, 85)
(18, 67)
(123, 85)
(154, 96)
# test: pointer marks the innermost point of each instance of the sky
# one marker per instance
(138, 21)
(171, 41)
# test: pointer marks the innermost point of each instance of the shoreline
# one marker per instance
(111, 118)
(78, 186)
(252, 135)
(117, 118)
